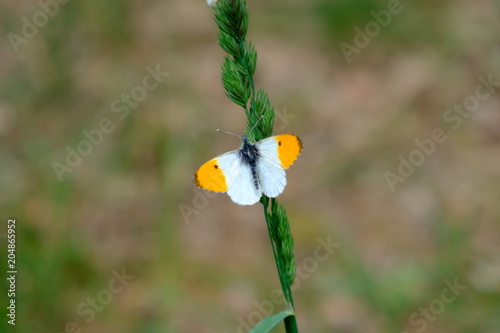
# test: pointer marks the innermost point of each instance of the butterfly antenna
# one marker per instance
(220, 130)
(256, 123)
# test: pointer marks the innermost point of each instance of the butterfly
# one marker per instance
(254, 169)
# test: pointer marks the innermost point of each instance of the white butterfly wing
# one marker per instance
(271, 174)
(239, 178)
(230, 164)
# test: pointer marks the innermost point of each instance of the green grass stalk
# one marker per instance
(238, 69)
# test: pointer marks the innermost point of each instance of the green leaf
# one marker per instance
(251, 59)
(267, 324)
(229, 44)
(234, 82)
(232, 18)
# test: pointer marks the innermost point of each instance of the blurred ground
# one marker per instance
(102, 245)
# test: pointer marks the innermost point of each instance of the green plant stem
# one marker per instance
(285, 286)
(291, 324)
(290, 321)
(231, 17)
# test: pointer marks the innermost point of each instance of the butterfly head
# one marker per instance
(248, 150)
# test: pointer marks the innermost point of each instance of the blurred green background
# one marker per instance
(197, 264)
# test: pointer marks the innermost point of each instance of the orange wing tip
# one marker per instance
(289, 148)
(210, 177)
